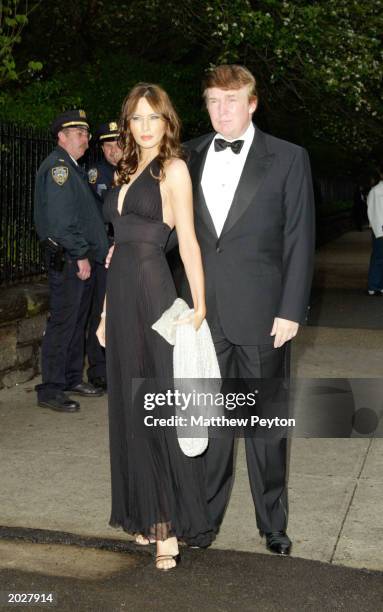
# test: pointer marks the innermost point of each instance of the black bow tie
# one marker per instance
(220, 145)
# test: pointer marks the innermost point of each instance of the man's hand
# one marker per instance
(109, 256)
(283, 330)
(84, 269)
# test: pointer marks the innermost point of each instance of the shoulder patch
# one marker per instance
(60, 174)
(92, 175)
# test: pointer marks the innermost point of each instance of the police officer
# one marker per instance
(100, 177)
(73, 235)
(101, 173)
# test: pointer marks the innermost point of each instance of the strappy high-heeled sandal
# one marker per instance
(176, 558)
(142, 540)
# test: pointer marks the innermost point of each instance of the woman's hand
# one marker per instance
(109, 256)
(198, 317)
(194, 319)
(100, 333)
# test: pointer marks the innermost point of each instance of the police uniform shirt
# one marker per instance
(100, 177)
(66, 209)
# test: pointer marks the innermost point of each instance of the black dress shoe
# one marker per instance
(86, 390)
(99, 382)
(277, 542)
(60, 403)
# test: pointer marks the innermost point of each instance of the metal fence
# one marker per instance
(336, 189)
(22, 149)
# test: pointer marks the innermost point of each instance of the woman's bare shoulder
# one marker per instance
(176, 167)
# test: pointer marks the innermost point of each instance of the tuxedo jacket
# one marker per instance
(261, 265)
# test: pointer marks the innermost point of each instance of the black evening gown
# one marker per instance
(156, 490)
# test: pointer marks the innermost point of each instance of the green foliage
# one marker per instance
(337, 206)
(12, 22)
(319, 60)
(100, 88)
(35, 66)
(38, 103)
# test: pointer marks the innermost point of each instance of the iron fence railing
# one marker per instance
(336, 189)
(22, 150)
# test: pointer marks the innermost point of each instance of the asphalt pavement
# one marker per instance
(212, 580)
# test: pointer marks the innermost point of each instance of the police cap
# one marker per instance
(69, 119)
(107, 132)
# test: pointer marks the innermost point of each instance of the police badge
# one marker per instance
(60, 174)
(92, 175)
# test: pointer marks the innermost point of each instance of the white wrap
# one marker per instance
(193, 357)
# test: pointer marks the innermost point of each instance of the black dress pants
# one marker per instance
(62, 351)
(266, 456)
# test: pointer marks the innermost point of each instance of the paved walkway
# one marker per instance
(55, 468)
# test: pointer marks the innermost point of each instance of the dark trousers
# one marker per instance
(375, 272)
(266, 457)
(94, 350)
(62, 352)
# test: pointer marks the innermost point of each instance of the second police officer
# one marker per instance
(100, 176)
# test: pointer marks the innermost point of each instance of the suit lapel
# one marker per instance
(196, 167)
(257, 164)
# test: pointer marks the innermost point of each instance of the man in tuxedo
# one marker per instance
(254, 220)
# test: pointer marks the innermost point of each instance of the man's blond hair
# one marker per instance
(230, 76)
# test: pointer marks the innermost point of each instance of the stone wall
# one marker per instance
(23, 312)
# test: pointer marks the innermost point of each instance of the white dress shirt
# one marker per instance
(221, 176)
(375, 209)
(73, 159)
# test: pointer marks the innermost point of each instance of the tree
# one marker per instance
(143, 28)
(14, 16)
(318, 62)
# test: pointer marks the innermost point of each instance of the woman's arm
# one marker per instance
(179, 208)
(100, 333)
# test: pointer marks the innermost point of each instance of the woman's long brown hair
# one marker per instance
(170, 145)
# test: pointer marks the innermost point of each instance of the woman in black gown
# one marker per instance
(157, 492)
